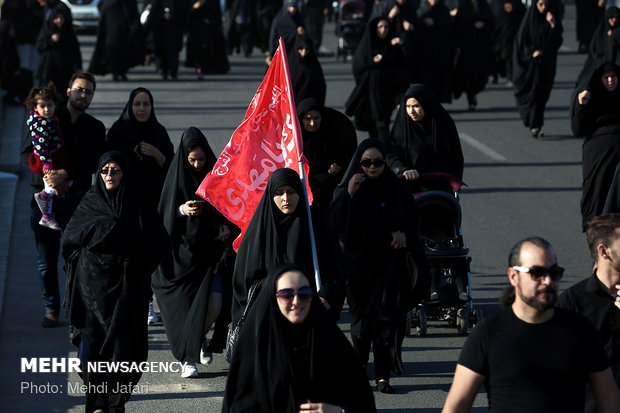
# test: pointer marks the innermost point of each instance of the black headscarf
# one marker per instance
(306, 73)
(111, 244)
(181, 283)
(127, 132)
(431, 145)
(271, 239)
(277, 365)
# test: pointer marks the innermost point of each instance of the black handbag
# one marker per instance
(234, 328)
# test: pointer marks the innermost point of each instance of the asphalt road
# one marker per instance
(517, 187)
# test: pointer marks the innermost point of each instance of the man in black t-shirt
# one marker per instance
(84, 140)
(531, 356)
(596, 297)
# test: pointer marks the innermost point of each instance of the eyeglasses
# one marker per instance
(536, 272)
(367, 163)
(81, 90)
(303, 294)
(111, 171)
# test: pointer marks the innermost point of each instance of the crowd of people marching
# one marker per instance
(138, 231)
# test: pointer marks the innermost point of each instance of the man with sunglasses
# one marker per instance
(529, 355)
(596, 297)
(84, 140)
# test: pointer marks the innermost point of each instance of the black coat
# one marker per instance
(431, 145)
(182, 282)
(278, 365)
(382, 283)
(120, 39)
(533, 77)
(111, 245)
(126, 133)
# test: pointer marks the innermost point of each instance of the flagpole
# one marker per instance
(302, 173)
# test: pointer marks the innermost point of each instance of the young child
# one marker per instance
(48, 153)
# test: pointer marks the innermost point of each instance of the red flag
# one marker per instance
(269, 138)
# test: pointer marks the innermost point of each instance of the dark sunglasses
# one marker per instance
(536, 272)
(111, 171)
(303, 294)
(367, 163)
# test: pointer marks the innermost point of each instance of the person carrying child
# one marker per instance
(48, 153)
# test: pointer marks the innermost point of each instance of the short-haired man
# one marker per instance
(596, 297)
(84, 140)
(531, 356)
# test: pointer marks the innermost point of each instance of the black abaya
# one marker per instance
(278, 365)
(111, 245)
(285, 25)
(273, 238)
(126, 133)
(431, 145)
(474, 58)
(383, 283)
(333, 143)
(533, 77)
(182, 282)
(120, 40)
(598, 122)
(206, 46)
(376, 84)
(306, 73)
(601, 48)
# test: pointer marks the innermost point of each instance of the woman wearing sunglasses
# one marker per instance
(112, 243)
(377, 221)
(424, 139)
(278, 233)
(292, 357)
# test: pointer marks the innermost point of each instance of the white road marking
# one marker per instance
(482, 147)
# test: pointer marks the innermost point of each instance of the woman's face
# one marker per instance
(610, 80)
(303, 51)
(141, 107)
(197, 158)
(372, 163)
(414, 109)
(382, 29)
(294, 296)
(112, 175)
(541, 5)
(311, 121)
(286, 199)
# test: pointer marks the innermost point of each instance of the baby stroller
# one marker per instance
(447, 258)
(350, 27)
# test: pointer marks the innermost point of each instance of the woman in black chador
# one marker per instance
(435, 48)
(424, 138)
(144, 140)
(187, 284)
(306, 73)
(473, 31)
(329, 143)
(534, 63)
(288, 24)
(167, 22)
(119, 39)
(111, 245)
(602, 48)
(292, 356)
(206, 46)
(278, 233)
(508, 16)
(377, 68)
(595, 114)
(377, 221)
